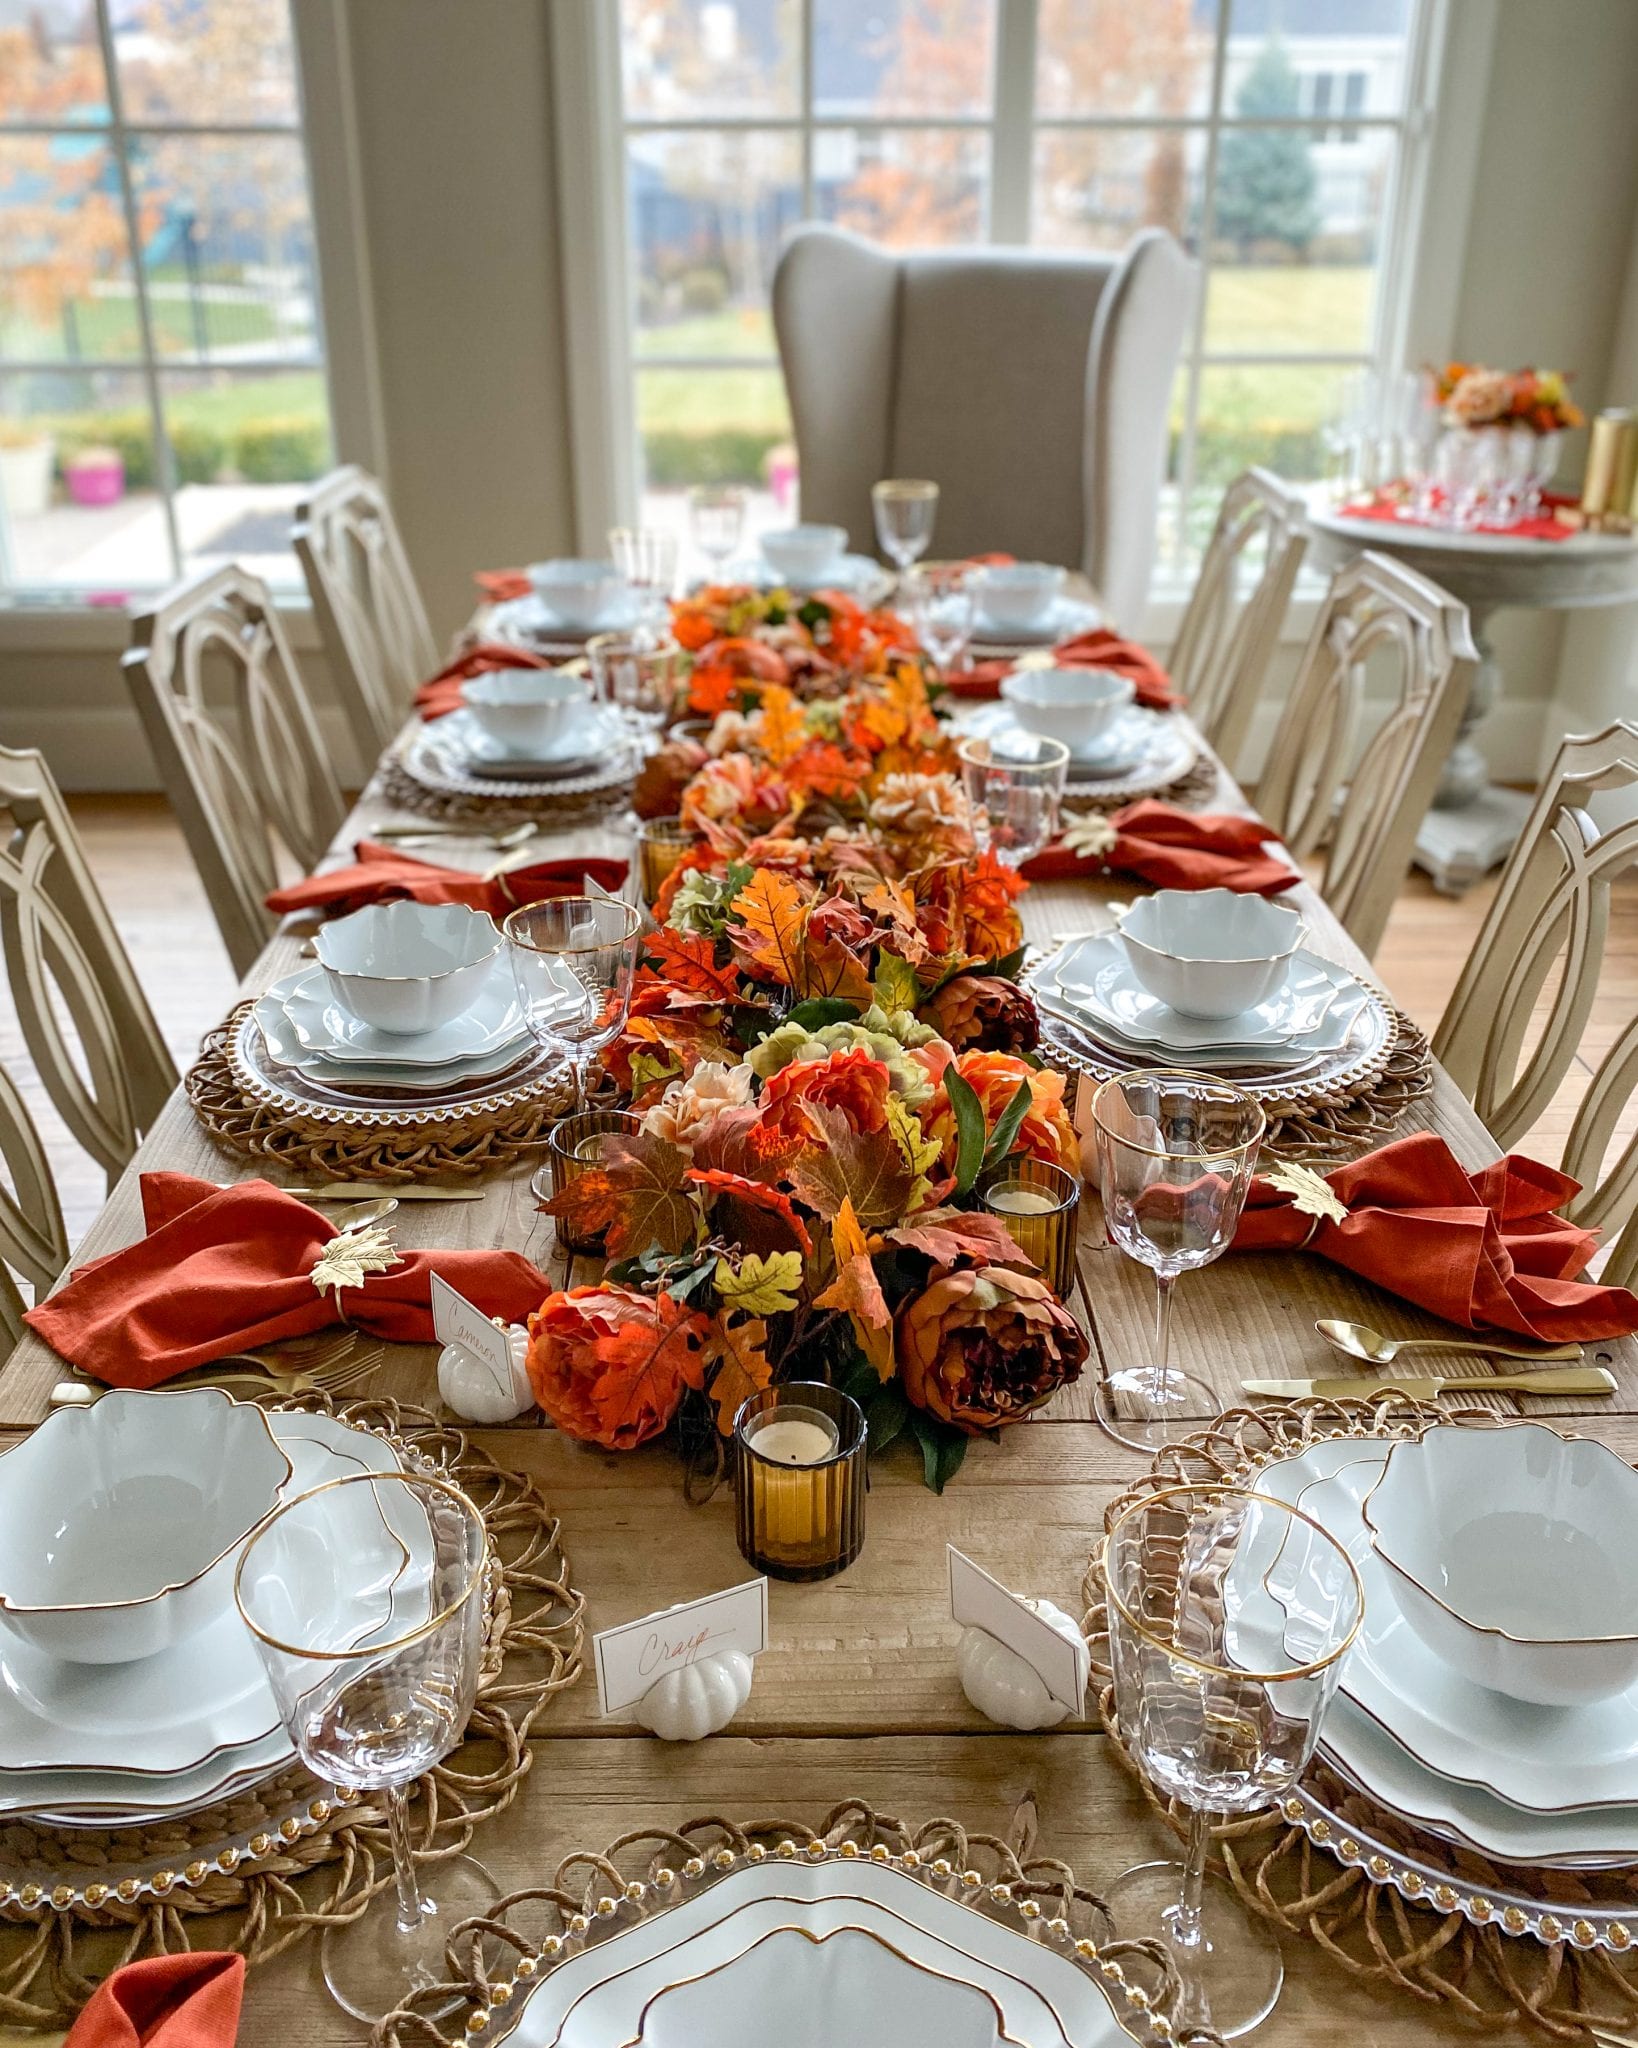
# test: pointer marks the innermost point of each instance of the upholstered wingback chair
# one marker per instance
(1033, 388)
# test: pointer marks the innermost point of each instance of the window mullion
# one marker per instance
(1013, 145)
(1208, 215)
(164, 468)
(805, 75)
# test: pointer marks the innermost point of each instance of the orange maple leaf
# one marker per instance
(767, 919)
(742, 1366)
(857, 1289)
(782, 731)
(690, 960)
(636, 1198)
(758, 1194)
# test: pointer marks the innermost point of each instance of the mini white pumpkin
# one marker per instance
(698, 1699)
(471, 1389)
(1001, 1685)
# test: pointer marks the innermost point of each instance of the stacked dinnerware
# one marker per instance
(130, 1691)
(570, 601)
(527, 725)
(1113, 741)
(1023, 605)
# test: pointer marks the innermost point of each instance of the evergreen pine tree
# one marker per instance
(1266, 186)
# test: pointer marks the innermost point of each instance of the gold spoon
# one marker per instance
(1359, 1340)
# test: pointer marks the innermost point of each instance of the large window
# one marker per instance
(162, 390)
(1270, 136)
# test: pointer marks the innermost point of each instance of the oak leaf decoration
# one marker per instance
(858, 1290)
(760, 1285)
(742, 1367)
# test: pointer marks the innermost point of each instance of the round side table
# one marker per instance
(1473, 824)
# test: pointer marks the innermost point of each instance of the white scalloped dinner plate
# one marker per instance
(1153, 750)
(441, 766)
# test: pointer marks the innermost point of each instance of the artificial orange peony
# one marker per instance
(982, 1347)
(609, 1365)
(1046, 1132)
(733, 790)
(855, 1082)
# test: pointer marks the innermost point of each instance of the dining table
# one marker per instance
(856, 1695)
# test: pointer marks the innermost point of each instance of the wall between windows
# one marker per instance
(467, 285)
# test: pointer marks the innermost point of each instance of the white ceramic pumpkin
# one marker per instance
(697, 1699)
(1001, 1685)
(471, 1389)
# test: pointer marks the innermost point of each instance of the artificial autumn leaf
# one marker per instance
(761, 1286)
(895, 986)
(951, 1235)
(739, 1141)
(986, 892)
(690, 962)
(829, 969)
(782, 730)
(824, 769)
(742, 1366)
(857, 1289)
(647, 1201)
(874, 1176)
(758, 1194)
(766, 924)
(1311, 1194)
(918, 1151)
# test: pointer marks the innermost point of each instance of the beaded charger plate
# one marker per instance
(296, 1855)
(429, 756)
(1394, 1903)
(1165, 759)
(986, 1894)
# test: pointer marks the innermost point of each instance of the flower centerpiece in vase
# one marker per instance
(1499, 443)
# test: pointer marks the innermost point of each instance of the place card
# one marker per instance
(631, 1657)
(978, 1601)
(455, 1321)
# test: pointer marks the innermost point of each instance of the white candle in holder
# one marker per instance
(1019, 1201)
(805, 1439)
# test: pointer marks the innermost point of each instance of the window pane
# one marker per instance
(1294, 239)
(228, 247)
(243, 448)
(1269, 413)
(51, 63)
(909, 186)
(206, 60)
(915, 57)
(65, 274)
(1114, 57)
(1358, 46)
(707, 214)
(715, 426)
(699, 57)
(78, 507)
(1094, 188)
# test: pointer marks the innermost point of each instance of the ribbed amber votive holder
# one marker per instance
(661, 843)
(799, 1471)
(1041, 1206)
(575, 1144)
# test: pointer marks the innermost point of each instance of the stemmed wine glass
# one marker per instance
(365, 1600)
(905, 509)
(641, 675)
(1175, 1151)
(941, 601)
(1229, 1616)
(573, 958)
(1013, 792)
(646, 557)
(716, 519)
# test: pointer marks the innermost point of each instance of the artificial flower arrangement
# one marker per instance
(817, 646)
(1474, 396)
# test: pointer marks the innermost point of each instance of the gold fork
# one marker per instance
(341, 1368)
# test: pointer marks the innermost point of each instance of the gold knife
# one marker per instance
(1569, 1379)
(363, 1190)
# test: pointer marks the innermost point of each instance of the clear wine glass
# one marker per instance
(641, 676)
(941, 602)
(1230, 1614)
(573, 958)
(1014, 789)
(646, 557)
(1176, 1151)
(365, 1600)
(716, 519)
(905, 509)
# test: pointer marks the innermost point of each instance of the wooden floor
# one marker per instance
(154, 893)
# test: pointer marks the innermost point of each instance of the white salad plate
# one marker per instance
(1142, 751)
(813, 1954)
(1528, 1784)
(173, 1730)
(493, 1023)
(587, 736)
(531, 618)
(1063, 620)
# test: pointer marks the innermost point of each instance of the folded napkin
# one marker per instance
(1097, 649)
(1172, 848)
(441, 694)
(381, 875)
(180, 2001)
(227, 1269)
(500, 586)
(1486, 1250)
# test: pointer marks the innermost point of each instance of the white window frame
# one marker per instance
(325, 128)
(1447, 68)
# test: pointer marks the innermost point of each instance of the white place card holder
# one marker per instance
(481, 1371)
(978, 1601)
(637, 1654)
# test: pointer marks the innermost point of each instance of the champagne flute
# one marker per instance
(1175, 1151)
(365, 1600)
(1230, 1613)
(716, 519)
(941, 601)
(905, 509)
(1013, 791)
(573, 958)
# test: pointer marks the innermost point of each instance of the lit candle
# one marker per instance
(1020, 1201)
(800, 1453)
(807, 1439)
(1040, 1205)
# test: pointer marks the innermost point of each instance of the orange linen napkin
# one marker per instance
(1098, 649)
(382, 875)
(500, 586)
(1487, 1250)
(1174, 849)
(180, 2001)
(227, 1269)
(441, 695)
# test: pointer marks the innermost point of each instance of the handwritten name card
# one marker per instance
(455, 1321)
(631, 1657)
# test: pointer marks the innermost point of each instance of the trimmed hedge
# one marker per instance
(719, 455)
(293, 450)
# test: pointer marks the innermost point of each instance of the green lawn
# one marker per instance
(108, 326)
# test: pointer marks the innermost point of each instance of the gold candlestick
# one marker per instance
(799, 1470)
(1612, 460)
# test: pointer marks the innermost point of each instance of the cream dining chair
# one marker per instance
(1231, 625)
(1363, 799)
(1513, 1029)
(1032, 387)
(89, 1034)
(244, 784)
(367, 603)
